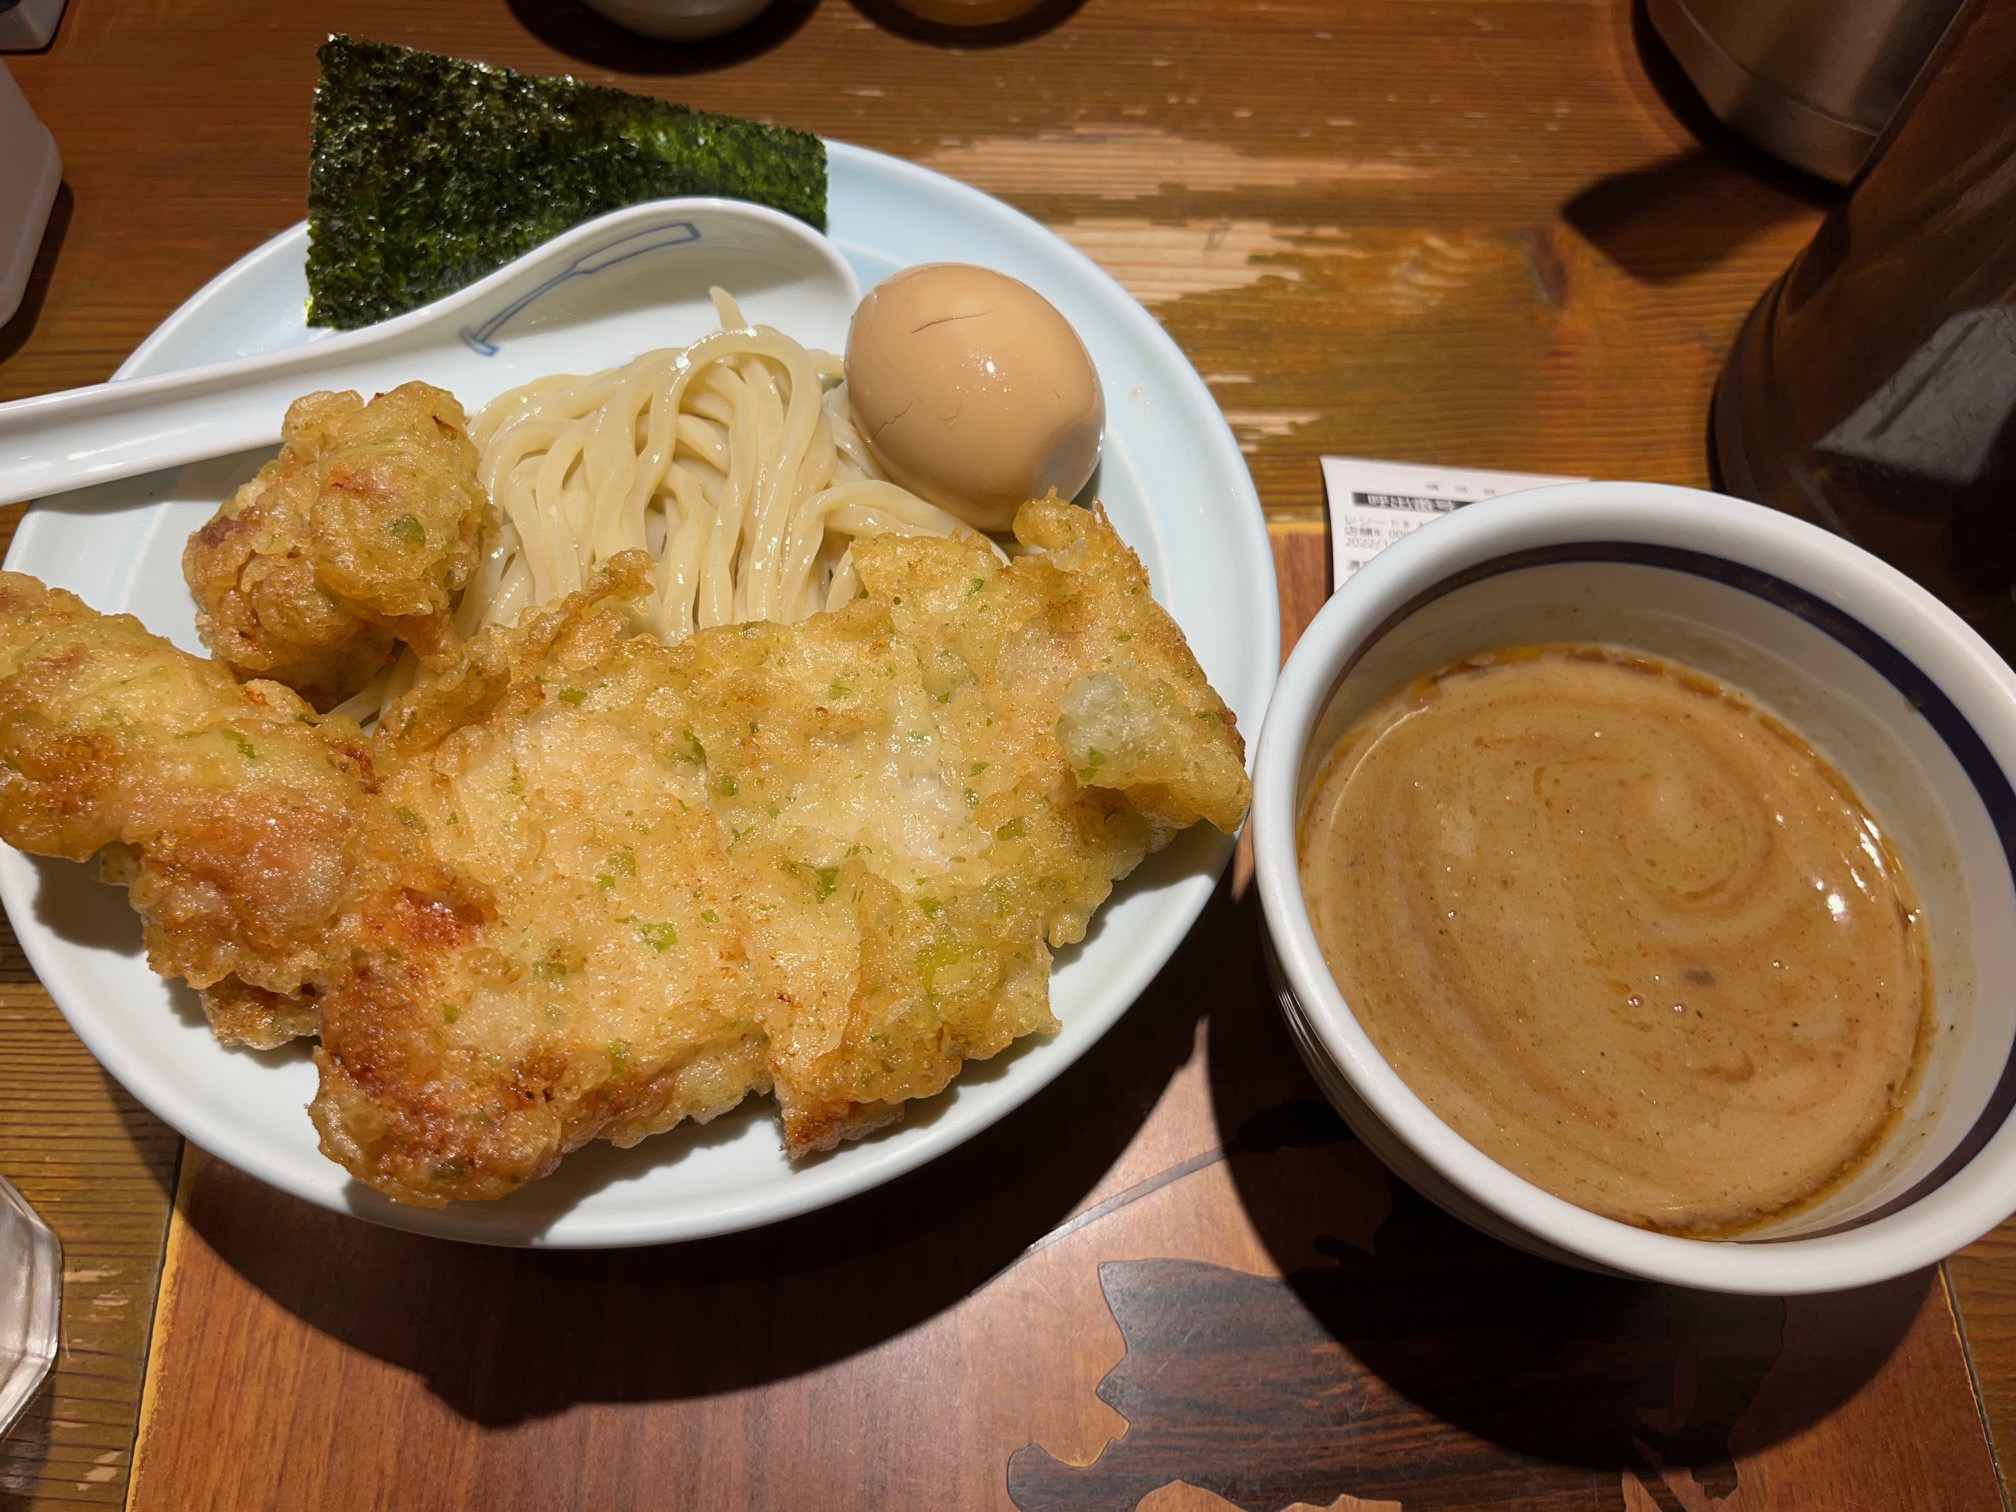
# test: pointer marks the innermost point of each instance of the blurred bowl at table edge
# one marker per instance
(679, 20)
(1908, 701)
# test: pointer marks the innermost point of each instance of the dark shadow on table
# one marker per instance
(1046, 16)
(570, 27)
(504, 1336)
(1417, 1360)
(158, 1146)
(21, 324)
(24, 1451)
(1736, 190)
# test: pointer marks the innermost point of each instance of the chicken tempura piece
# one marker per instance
(587, 884)
(358, 536)
(234, 817)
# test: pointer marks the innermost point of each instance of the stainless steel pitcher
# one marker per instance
(1811, 81)
(1873, 389)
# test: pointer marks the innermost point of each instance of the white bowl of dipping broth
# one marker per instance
(1882, 680)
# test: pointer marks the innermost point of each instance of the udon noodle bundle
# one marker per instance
(733, 462)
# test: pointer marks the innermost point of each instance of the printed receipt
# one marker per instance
(1373, 504)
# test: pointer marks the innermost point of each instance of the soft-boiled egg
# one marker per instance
(972, 391)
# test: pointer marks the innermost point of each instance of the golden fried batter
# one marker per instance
(356, 537)
(234, 816)
(596, 884)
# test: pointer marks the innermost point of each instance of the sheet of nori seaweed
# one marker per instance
(427, 172)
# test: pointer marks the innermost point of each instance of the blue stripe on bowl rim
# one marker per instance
(1990, 782)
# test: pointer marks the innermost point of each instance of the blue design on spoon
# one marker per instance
(622, 250)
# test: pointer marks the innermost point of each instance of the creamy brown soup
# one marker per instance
(1623, 930)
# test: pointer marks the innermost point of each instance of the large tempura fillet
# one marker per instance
(605, 884)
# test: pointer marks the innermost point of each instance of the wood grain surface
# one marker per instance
(1468, 231)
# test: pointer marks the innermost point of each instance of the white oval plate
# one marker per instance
(1178, 491)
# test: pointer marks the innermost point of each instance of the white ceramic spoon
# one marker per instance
(640, 275)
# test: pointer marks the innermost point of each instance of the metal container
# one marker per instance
(1873, 389)
(1811, 81)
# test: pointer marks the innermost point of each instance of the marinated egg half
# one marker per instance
(973, 391)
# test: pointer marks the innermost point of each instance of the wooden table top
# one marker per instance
(1478, 232)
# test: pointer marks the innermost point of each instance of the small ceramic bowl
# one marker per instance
(680, 20)
(1907, 701)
